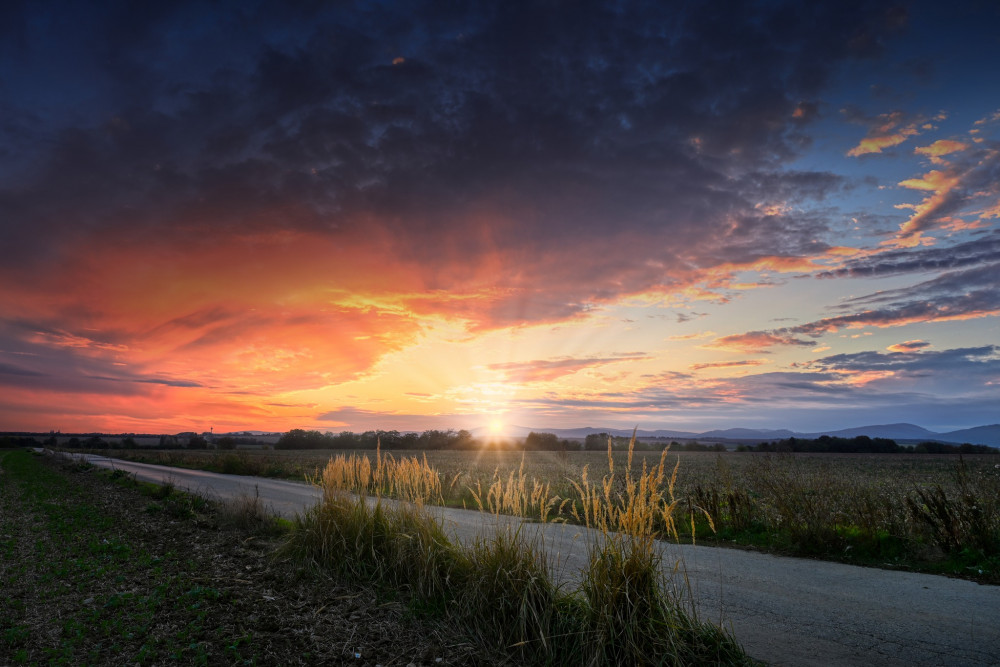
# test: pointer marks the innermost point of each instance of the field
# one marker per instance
(932, 513)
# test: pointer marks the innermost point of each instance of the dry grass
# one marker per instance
(625, 612)
(513, 495)
(408, 478)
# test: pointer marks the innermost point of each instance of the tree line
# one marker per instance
(863, 444)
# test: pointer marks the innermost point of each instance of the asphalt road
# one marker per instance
(786, 611)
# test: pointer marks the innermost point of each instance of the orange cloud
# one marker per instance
(756, 341)
(888, 133)
(941, 147)
(940, 185)
(933, 181)
(908, 346)
(862, 378)
(694, 336)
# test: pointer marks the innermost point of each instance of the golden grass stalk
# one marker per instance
(641, 505)
(408, 479)
(514, 495)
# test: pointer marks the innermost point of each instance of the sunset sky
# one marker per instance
(686, 215)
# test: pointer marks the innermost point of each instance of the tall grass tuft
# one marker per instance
(397, 545)
(514, 496)
(408, 479)
(639, 506)
(513, 599)
(500, 587)
(635, 612)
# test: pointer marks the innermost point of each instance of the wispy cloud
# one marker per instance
(887, 130)
(957, 295)
(908, 346)
(542, 370)
(727, 364)
(759, 341)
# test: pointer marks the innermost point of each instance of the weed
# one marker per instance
(964, 520)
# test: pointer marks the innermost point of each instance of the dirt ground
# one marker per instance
(261, 610)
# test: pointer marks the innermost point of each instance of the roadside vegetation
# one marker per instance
(928, 512)
(625, 611)
(97, 569)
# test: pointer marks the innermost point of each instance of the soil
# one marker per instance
(290, 614)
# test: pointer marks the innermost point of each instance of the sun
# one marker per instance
(496, 427)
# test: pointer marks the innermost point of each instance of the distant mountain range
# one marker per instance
(980, 435)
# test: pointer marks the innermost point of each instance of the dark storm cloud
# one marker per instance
(628, 122)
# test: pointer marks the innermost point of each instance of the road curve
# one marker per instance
(786, 611)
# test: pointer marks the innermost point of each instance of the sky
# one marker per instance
(414, 215)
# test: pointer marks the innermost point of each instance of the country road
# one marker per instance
(786, 611)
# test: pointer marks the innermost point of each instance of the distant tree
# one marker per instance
(18, 441)
(861, 444)
(343, 440)
(463, 440)
(298, 438)
(95, 442)
(596, 441)
(434, 439)
(226, 442)
(542, 441)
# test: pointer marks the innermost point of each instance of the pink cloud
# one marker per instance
(727, 364)
(908, 346)
(756, 341)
